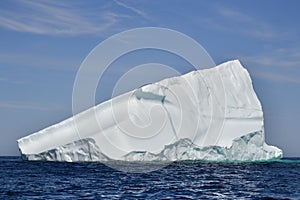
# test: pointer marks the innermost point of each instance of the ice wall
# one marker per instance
(164, 113)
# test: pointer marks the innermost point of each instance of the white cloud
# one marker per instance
(56, 18)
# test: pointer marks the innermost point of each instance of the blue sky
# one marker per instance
(42, 45)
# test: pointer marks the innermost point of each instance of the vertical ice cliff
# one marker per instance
(173, 119)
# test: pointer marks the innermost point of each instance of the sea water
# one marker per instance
(179, 180)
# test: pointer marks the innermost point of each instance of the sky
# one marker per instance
(43, 43)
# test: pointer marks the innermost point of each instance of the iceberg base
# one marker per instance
(250, 147)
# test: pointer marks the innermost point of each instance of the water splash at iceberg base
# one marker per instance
(184, 134)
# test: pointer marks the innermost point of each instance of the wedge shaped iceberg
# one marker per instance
(190, 117)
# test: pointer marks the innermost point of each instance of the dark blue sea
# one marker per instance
(182, 180)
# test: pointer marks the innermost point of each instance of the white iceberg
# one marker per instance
(189, 117)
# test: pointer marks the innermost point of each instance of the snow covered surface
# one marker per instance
(165, 121)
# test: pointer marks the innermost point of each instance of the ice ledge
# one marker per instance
(250, 147)
(78, 151)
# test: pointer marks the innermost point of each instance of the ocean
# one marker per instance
(179, 180)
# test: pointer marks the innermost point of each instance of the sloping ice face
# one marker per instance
(165, 121)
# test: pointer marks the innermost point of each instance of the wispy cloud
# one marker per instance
(29, 106)
(25, 60)
(133, 9)
(280, 58)
(248, 25)
(273, 76)
(5, 80)
(272, 61)
(280, 65)
(233, 14)
(56, 18)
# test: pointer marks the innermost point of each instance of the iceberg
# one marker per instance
(171, 120)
